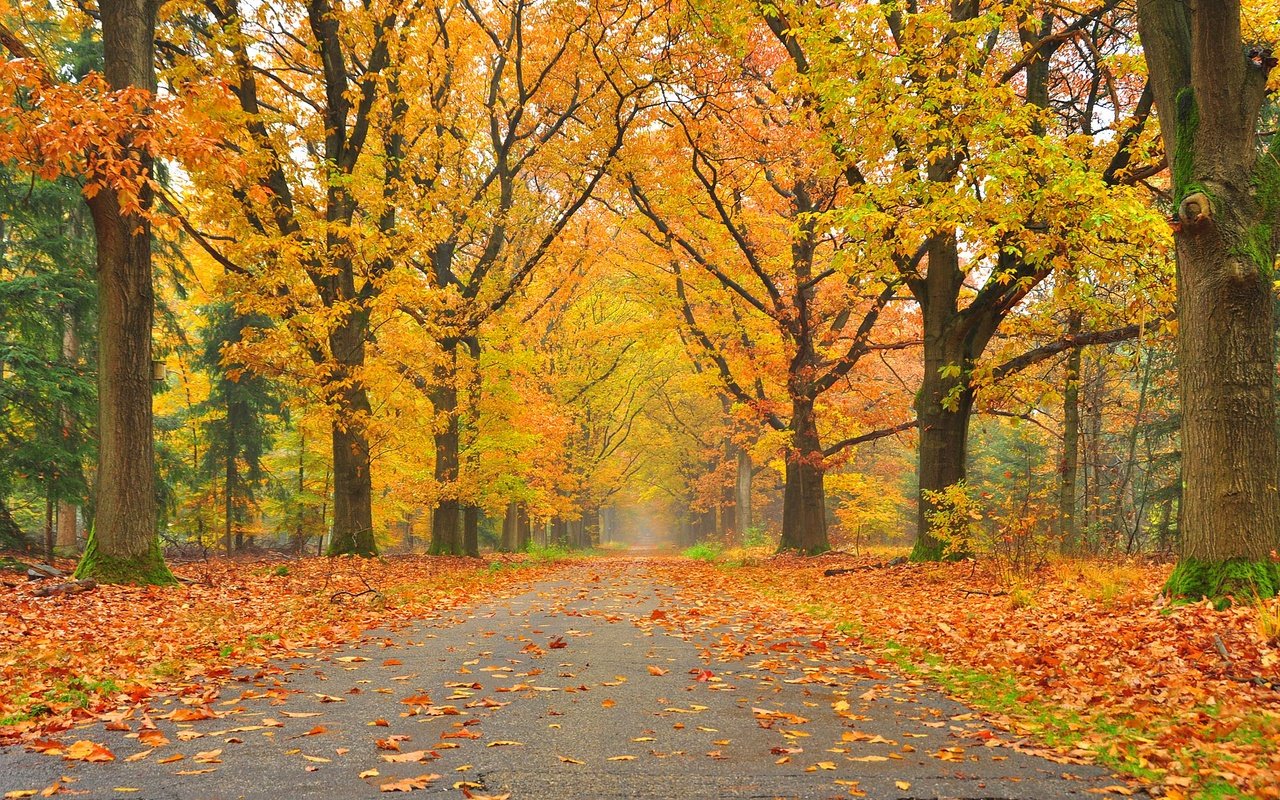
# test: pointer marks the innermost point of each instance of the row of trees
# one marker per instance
(649, 247)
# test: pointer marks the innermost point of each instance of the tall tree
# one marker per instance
(782, 309)
(306, 98)
(123, 546)
(973, 216)
(524, 109)
(1210, 90)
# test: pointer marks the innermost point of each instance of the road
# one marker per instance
(605, 681)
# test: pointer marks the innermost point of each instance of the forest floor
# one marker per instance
(602, 673)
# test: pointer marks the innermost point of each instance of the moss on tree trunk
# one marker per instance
(1238, 579)
(147, 568)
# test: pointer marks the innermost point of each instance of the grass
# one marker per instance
(703, 551)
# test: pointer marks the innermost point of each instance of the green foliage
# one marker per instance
(47, 402)
(756, 536)
(239, 411)
(703, 551)
(549, 552)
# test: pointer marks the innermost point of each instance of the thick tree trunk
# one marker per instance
(524, 529)
(943, 410)
(123, 546)
(446, 538)
(352, 476)
(1209, 93)
(743, 489)
(510, 525)
(1068, 469)
(804, 504)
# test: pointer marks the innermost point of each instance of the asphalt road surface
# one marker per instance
(592, 685)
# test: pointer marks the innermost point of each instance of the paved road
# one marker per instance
(594, 685)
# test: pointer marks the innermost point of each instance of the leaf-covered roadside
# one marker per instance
(1085, 658)
(64, 658)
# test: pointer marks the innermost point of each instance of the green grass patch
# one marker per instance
(703, 551)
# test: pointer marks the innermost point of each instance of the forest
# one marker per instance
(981, 290)
(404, 276)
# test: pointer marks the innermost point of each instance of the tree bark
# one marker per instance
(729, 530)
(507, 544)
(471, 531)
(804, 505)
(743, 488)
(123, 546)
(352, 468)
(445, 535)
(1068, 470)
(1209, 93)
(68, 529)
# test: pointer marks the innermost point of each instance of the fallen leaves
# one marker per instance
(408, 758)
(1100, 657)
(85, 750)
(107, 636)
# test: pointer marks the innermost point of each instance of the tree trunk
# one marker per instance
(509, 528)
(524, 529)
(445, 535)
(1068, 469)
(48, 524)
(745, 520)
(352, 476)
(471, 531)
(123, 546)
(804, 505)
(68, 532)
(943, 410)
(229, 481)
(729, 531)
(1209, 93)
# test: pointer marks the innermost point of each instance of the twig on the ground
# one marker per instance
(69, 587)
(1256, 680)
(368, 589)
(1222, 649)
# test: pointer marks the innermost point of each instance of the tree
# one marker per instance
(47, 395)
(524, 109)
(1210, 91)
(123, 545)
(783, 309)
(972, 215)
(239, 433)
(292, 246)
